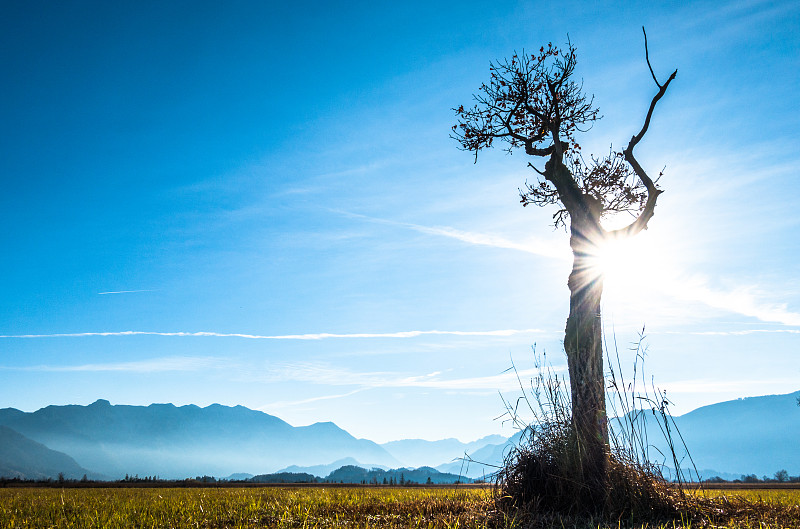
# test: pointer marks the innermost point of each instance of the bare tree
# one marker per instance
(533, 103)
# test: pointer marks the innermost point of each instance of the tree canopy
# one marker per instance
(532, 102)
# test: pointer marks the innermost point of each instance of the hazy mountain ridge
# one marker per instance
(24, 458)
(753, 435)
(176, 442)
(419, 452)
(483, 462)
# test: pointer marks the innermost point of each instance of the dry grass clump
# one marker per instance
(542, 482)
(543, 485)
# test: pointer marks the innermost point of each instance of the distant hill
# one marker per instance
(323, 470)
(484, 462)
(421, 475)
(239, 476)
(755, 435)
(359, 474)
(419, 452)
(176, 442)
(23, 458)
(285, 477)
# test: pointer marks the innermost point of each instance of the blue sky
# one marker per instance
(258, 203)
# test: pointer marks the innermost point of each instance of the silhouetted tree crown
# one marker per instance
(532, 102)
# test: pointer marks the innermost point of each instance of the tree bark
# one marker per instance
(583, 343)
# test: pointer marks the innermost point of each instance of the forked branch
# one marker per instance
(640, 223)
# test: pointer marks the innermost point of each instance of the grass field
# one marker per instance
(112, 508)
(243, 507)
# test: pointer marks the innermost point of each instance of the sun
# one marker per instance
(616, 258)
(631, 266)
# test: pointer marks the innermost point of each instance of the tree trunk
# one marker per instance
(583, 343)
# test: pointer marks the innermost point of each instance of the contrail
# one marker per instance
(123, 292)
(314, 336)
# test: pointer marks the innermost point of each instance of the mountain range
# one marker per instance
(175, 442)
(756, 435)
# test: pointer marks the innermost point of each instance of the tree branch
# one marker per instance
(647, 58)
(640, 223)
(535, 169)
(534, 151)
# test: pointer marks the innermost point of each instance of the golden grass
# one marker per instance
(352, 507)
(244, 507)
(750, 508)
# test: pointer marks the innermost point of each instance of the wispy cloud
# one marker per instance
(734, 387)
(325, 374)
(742, 300)
(503, 381)
(155, 365)
(744, 332)
(310, 336)
(533, 246)
(292, 403)
(687, 300)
